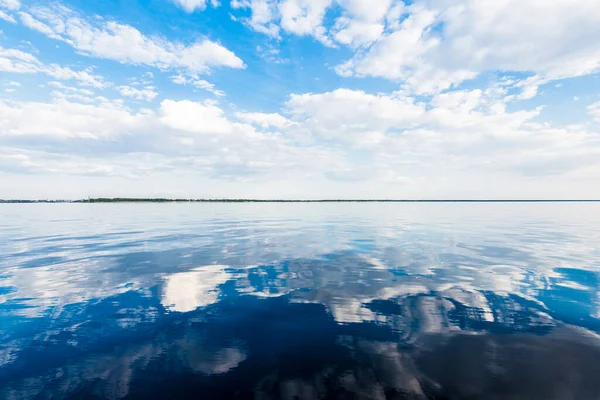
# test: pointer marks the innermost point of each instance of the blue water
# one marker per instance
(300, 301)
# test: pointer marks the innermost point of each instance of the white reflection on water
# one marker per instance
(186, 291)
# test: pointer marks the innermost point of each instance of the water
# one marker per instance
(300, 301)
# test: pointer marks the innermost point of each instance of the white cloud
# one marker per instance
(528, 93)
(407, 147)
(192, 5)
(594, 110)
(357, 33)
(354, 111)
(83, 77)
(182, 138)
(362, 22)
(200, 56)
(433, 45)
(400, 56)
(193, 117)
(72, 96)
(146, 93)
(6, 17)
(18, 55)
(10, 4)
(66, 120)
(37, 25)
(367, 10)
(439, 44)
(72, 93)
(264, 120)
(179, 79)
(264, 14)
(197, 82)
(17, 61)
(271, 53)
(456, 131)
(145, 79)
(126, 44)
(202, 84)
(298, 17)
(305, 17)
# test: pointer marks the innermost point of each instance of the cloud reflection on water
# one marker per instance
(276, 307)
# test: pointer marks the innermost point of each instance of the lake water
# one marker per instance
(300, 301)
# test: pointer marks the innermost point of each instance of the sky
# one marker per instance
(305, 99)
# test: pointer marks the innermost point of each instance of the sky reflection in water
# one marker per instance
(267, 301)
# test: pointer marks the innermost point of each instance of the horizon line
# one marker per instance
(249, 200)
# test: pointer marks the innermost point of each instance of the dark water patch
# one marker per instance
(246, 347)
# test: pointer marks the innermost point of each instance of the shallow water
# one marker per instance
(268, 301)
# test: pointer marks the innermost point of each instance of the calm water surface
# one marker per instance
(300, 301)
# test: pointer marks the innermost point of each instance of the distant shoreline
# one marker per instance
(166, 200)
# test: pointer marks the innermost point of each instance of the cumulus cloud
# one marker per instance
(67, 120)
(400, 56)
(124, 43)
(298, 17)
(438, 44)
(355, 110)
(305, 17)
(263, 17)
(193, 5)
(433, 45)
(362, 23)
(459, 130)
(181, 138)
(402, 142)
(193, 117)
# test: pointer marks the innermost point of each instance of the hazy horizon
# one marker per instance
(284, 200)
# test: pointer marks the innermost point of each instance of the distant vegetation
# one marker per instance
(128, 200)
(163, 200)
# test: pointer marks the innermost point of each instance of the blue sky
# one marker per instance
(300, 99)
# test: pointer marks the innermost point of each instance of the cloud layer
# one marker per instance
(410, 100)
